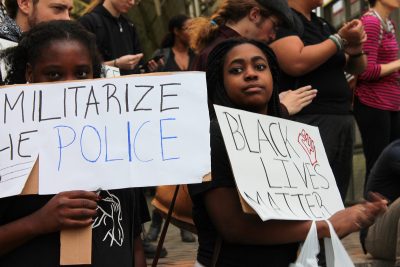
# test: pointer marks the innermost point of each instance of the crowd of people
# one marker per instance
(293, 62)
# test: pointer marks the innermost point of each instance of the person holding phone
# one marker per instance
(175, 50)
(116, 37)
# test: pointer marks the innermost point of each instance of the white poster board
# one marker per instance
(130, 131)
(280, 166)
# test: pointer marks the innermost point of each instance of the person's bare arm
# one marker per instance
(389, 68)
(296, 59)
(138, 251)
(72, 209)
(127, 62)
(224, 208)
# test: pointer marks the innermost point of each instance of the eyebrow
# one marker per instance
(253, 59)
(62, 5)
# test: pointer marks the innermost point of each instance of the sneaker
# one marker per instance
(187, 236)
(150, 250)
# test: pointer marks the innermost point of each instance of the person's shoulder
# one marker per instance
(296, 30)
(371, 20)
(393, 150)
(90, 20)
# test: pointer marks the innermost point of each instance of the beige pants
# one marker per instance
(383, 239)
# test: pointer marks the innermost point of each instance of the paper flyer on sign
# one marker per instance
(130, 131)
(280, 166)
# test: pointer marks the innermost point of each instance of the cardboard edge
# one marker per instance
(75, 244)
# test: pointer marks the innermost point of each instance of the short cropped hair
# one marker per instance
(12, 7)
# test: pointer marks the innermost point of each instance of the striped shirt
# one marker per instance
(381, 48)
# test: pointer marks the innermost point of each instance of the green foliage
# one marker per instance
(79, 8)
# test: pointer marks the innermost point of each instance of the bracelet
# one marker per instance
(115, 63)
(357, 55)
(339, 41)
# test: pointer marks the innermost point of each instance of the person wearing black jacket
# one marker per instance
(116, 36)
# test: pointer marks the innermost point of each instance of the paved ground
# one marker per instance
(184, 254)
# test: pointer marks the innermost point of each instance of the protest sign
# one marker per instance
(280, 166)
(130, 131)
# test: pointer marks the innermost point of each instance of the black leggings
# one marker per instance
(378, 129)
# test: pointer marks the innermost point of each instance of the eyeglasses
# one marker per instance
(275, 23)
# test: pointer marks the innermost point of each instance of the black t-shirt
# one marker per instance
(115, 37)
(334, 95)
(119, 221)
(385, 175)
(230, 254)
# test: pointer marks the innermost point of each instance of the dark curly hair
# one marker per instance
(215, 82)
(33, 43)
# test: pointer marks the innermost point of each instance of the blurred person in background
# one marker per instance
(377, 94)
(314, 53)
(116, 36)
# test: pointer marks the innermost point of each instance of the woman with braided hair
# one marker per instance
(30, 225)
(243, 74)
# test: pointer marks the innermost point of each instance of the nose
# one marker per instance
(65, 16)
(271, 36)
(250, 74)
(70, 77)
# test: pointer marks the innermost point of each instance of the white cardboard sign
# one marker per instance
(130, 131)
(280, 166)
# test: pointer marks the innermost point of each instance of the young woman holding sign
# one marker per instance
(30, 225)
(243, 74)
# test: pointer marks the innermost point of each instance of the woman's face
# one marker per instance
(61, 60)
(247, 78)
(123, 6)
(183, 34)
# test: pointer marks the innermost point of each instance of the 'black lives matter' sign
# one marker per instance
(280, 166)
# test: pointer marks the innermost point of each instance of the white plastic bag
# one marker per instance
(336, 254)
(309, 250)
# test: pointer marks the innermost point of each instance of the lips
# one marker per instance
(253, 88)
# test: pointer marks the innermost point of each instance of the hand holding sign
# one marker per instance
(73, 209)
